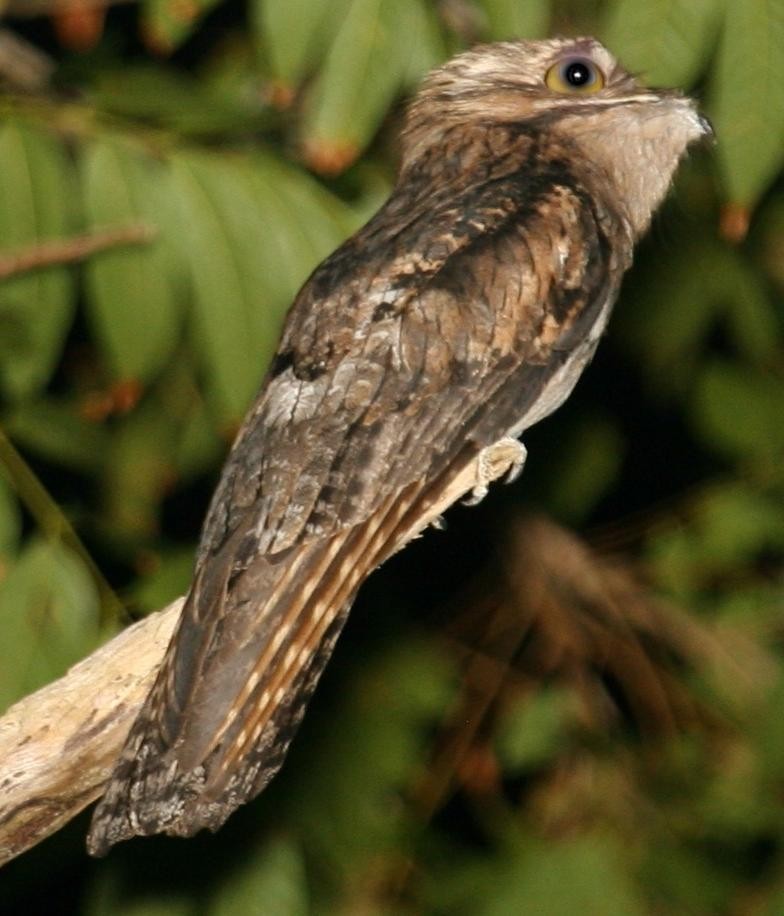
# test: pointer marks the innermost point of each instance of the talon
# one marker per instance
(518, 462)
(477, 495)
(505, 458)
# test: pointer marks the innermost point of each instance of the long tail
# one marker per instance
(238, 674)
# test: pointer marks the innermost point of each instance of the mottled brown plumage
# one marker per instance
(462, 313)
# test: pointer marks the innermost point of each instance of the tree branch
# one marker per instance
(58, 745)
(77, 248)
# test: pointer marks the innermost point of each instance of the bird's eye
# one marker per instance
(575, 74)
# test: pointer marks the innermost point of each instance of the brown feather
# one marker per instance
(461, 314)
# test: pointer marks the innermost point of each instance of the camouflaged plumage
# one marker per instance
(462, 313)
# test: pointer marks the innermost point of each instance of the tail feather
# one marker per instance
(211, 737)
(160, 781)
(337, 582)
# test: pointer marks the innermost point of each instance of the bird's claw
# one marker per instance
(505, 458)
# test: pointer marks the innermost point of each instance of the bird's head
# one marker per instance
(633, 135)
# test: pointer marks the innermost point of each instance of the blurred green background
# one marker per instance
(568, 702)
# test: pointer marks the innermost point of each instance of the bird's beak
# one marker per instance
(708, 133)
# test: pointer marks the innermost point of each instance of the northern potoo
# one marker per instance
(461, 314)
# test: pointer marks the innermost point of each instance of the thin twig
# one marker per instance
(67, 251)
(53, 523)
(22, 64)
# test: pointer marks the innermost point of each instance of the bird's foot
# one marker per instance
(505, 457)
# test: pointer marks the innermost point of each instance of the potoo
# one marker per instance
(461, 314)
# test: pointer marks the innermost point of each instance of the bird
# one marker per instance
(411, 362)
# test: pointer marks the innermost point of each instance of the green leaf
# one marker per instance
(168, 439)
(364, 69)
(671, 559)
(254, 229)
(292, 35)
(110, 895)
(751, 318)
(585, 874)
(427, 48)
(55, 431)
(296, 234)
(767, 238)
(739, 411)
(49, 611)
(509, 19)
(747, 99)
(10, 524)
(237, 324)
(533, 729)
(667, 316)
(737, 523)
(36, 188)
(138, 470)
(168, 580)
(132, 296)
(667, 42)
(768, 729)
(196, 447)
(347, 805)
(682, 878)
(591, 456)
(774, 906)
(274, 875)
(166, 24)
(190, 105)
(314, 221)
(150, 92)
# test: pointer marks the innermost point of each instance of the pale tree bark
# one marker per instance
(58, 745)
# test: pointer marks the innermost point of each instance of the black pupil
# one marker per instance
(577, 74)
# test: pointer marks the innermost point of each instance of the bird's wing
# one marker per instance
(399, 338)
(424, 339)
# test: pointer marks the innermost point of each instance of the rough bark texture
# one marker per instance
(58, 745)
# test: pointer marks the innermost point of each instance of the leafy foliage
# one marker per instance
(514, 722)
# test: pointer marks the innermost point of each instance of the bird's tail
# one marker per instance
(234, 683)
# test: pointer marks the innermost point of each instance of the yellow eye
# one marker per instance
(575, 74)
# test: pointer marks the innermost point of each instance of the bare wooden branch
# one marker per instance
(77, 248)
(58, 746)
